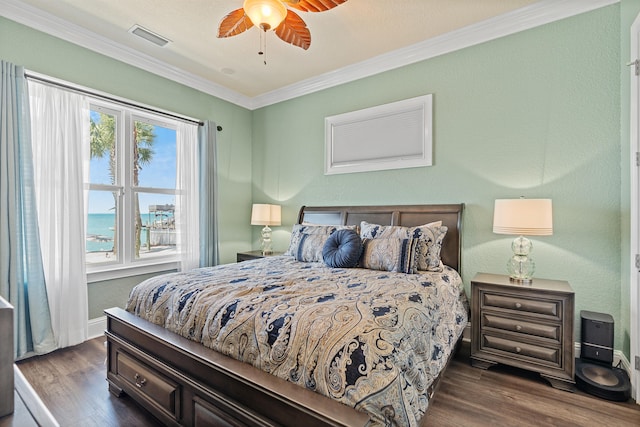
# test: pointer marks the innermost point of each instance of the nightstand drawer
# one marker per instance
(552, 332)
(551, 309)
(149, 383)
(539, 353)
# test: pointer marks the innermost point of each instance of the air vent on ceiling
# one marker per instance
(148, 35)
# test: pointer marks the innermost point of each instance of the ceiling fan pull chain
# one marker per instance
(263, 45)
(265, 48)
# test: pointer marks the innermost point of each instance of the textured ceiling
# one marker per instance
(349, 33)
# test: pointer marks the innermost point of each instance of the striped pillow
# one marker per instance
(310, 247)
(389, 254)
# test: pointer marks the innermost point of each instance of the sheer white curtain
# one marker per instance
(187, 203)
(60, 133)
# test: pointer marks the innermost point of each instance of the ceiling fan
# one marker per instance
(273, 14)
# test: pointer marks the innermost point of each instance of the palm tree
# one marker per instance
(103, 141)
(143, 137)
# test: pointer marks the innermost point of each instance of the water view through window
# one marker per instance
(132, 181)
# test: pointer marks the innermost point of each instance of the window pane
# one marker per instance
(102, 169)
(101, 227)
(156, 154)
(155, 226)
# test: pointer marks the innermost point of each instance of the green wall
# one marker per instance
(541, 113)
(51, 56)
(534, 114)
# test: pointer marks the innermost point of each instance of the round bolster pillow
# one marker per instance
(342, 249)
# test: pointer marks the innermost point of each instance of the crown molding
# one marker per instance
(531, 16)
(536, 14)
(42, 21)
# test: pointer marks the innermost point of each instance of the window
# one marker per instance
(131, 191)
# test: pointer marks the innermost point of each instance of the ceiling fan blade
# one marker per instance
(294, 30)
(234, 23)
(314, 5)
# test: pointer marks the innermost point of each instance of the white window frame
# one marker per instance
(126, 264)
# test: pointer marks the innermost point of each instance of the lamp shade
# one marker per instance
(264, 214)
(265, 14)
(526, 217)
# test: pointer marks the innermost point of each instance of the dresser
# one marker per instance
(529, 326)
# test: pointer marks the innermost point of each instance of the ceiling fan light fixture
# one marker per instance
(265, 14)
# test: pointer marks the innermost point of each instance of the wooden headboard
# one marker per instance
(405, 215)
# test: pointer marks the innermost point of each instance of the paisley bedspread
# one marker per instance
(372, 340)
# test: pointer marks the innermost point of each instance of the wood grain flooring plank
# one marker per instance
(506, 396)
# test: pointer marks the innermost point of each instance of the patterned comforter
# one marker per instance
(373, 340)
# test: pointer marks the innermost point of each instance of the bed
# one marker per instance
(255, 353)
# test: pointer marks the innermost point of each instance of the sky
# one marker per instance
(160, 173)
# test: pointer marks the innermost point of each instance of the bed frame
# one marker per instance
(184, 383)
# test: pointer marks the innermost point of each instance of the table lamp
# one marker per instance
(264, 214)
(522, 217)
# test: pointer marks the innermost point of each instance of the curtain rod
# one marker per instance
(89, 92)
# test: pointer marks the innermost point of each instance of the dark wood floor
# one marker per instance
(71, 382)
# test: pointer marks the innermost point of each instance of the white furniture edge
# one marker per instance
(634, 203)
(32, 401)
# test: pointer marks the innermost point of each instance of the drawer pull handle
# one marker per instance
(140, 382)
(518, 328)
(518, 349)
(518, 305)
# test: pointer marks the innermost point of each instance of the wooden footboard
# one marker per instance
(183, 383)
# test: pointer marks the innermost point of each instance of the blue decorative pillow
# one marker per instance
(342, 249)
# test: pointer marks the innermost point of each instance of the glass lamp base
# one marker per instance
(266, 241)
(520, 267)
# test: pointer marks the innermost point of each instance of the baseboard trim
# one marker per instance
(619, 359)
(97, 327)
(32, 401)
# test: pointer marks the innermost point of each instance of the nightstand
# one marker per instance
(246, 256)
(527, 326)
